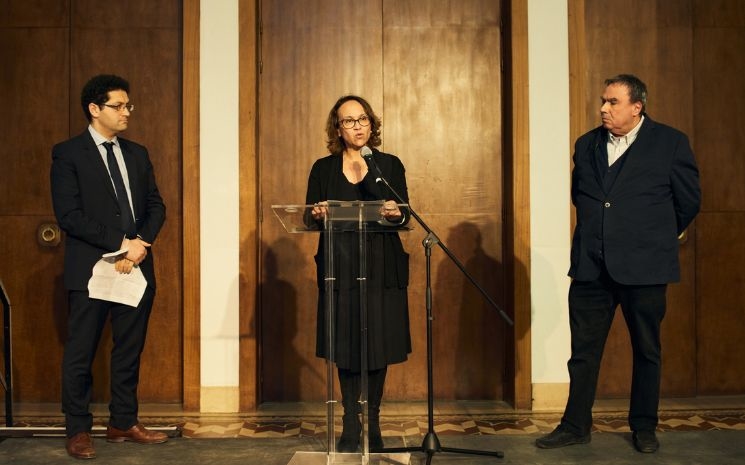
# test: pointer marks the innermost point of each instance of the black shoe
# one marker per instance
(347, 445)
(350, 434)
(375, 438)
(560, 437)
(645, 441)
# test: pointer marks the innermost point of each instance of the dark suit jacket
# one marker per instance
(86, 208)
(633, 226)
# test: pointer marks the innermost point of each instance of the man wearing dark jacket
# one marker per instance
(105, 199)
(635, 189)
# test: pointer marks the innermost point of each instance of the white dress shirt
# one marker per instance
(617, 145)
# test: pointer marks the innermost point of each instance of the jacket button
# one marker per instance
(606, 204)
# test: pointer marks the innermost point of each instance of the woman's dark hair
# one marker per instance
(637, 89)
(97, 89)
(334, 143)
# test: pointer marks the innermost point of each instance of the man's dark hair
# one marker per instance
(97, 89)
(637, 89)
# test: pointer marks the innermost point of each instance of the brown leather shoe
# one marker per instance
(80, 446)
(137, 433)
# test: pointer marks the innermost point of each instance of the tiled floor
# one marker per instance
(702, 431)
(409, 419)
(461, 425)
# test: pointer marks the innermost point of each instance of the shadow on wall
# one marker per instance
(473, 353)
(290, 371)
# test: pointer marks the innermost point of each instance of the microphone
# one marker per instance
(368, 156)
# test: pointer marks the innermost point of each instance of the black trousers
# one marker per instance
(592, 305)
(85, 323)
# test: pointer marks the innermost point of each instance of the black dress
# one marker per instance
(389, 340)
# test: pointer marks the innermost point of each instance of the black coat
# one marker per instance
(633, 225)
(387, 273)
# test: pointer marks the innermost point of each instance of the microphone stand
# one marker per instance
(431, 444)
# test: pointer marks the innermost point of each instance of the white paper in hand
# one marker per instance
(108, 284)
(115, 254)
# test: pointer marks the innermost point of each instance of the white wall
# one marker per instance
(219, 194)
(548, 63)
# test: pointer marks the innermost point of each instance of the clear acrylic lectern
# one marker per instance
(360, 218)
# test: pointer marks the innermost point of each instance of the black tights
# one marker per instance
(349, 382)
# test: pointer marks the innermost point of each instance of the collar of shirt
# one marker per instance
(99, 139)
(627, 138)
(617, 145)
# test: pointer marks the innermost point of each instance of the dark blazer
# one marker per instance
(633, 225)
(86, 208)
(323, 184)
(389, 340)
(325, 173)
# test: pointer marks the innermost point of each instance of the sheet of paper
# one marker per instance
(108, 284)
(115, 254)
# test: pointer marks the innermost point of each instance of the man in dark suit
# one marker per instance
(105, 199)
(635, 189)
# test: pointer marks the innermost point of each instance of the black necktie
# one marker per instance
(128, 223)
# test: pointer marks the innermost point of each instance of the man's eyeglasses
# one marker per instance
(348, 123)
(121, 107)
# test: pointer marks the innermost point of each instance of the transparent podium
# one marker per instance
(353, 220)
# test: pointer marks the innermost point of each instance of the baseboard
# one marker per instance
(219, 399)
(550, 397)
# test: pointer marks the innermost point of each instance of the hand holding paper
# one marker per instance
(123, 265)
(136, 249)
(110, 282)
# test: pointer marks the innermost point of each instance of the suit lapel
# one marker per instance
(600, 157)
(633, 155)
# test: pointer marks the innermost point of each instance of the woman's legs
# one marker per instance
(349, 383)
(375, 381)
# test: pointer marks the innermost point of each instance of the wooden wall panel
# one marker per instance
(155, 123)
(689, 53)
(127, 18)
(190, 207)
(38, 322)
(657, 47)
(719, 46)
(721, 293)
(43, 66)
(31, 273)
(36, 102)
(39, 13)
(249, 370)
(719, 29)
(516, 143)
(431, 70)
(311, 53)
(443, 117)
(679, 326)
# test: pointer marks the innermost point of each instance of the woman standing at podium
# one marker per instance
(346, 175)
